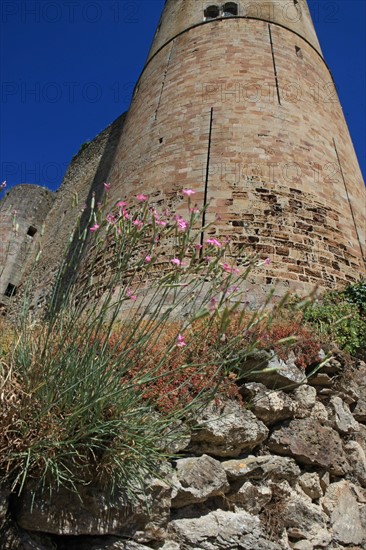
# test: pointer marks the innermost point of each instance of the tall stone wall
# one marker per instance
(244, 111)
(22, 213)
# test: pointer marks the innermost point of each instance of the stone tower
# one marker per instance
(236, 102)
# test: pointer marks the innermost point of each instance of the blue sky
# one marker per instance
(68, 68)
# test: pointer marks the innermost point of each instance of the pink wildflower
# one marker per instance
(138, 224)
(141, 198)
(161, 222)
(229, 269)
(130, 295)
(198, 246)
(94, 228)
(214, 242)
(121, 204)
(194, 210)
(148, 258)
(188, 192)
(182, 224)
(267, 261)
(212, 304)
(176, 262)
(2, 185)
(180, 341)
(107, 186)
(110, 218)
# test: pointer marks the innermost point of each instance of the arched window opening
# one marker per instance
(230, 9)
(211, 12)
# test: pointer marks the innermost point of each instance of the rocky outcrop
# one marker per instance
(287, 471)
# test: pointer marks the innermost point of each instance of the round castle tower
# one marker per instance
(236, 102)
(22, 212)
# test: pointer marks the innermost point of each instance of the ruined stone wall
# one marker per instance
(22, 213)
(85, 176)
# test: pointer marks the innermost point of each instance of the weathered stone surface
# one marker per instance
(221, 531)
(310, 484)
(262, 468)
(197, 479)
(301, 518)
(227, 430)
(4, 498)
(305, 396)
(341, 417)
(251, 498)
(96, 513)
(310, 443)
(319, 413)
(268, 405)
(13, 538)
(359, 411)
(302, 545)
(98, 543)
(275, 373)
(357, 458)
(341, 505)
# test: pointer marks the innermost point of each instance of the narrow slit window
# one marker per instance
(211, 12)
(230, 9)
(31, 231)
(298, 52)
(10, 291)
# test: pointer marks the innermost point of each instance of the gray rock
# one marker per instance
(221, 530)
(305, 397)
(302, 545)
(98, 543)
(198, 479)
(4, 501)
(341, 505)
(357, 458)
(319, 413)
(275, 373)
(310, 484)
(301, 518)
(13, 538)
(249, 497)
(311, 444)
(268, 405)
(96, 513)
(261, 468)
(227, 430)
(359, 412)
(341, 417)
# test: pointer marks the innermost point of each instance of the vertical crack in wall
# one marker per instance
(164, 79)
(207, 176)
(349, 200)
(274, 64)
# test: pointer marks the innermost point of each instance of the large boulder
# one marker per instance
(197, 479)
(221, 530)
(226, 429)
(310, 443)
(93, 511)
(357, 459)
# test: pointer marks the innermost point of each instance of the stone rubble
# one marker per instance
(287, 471)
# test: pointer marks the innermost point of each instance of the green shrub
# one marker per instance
(339, 321)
